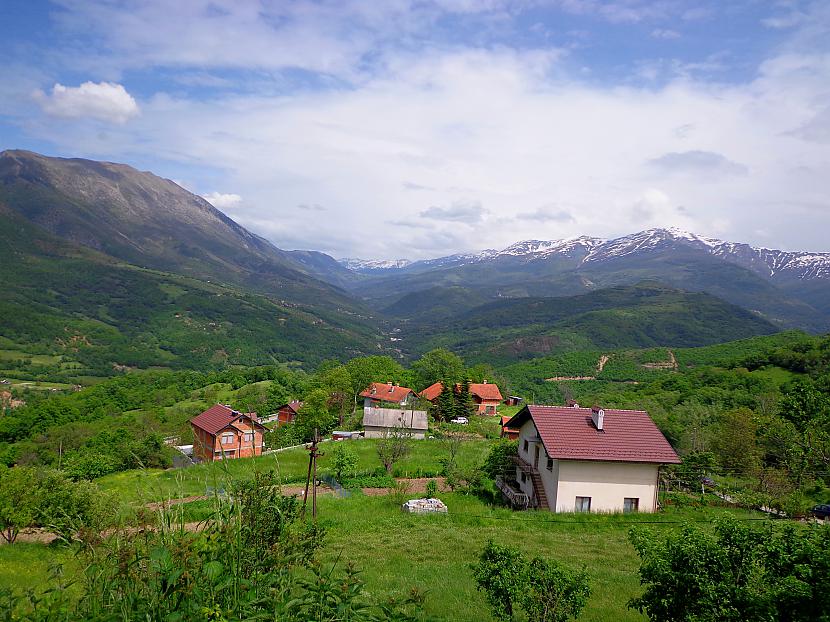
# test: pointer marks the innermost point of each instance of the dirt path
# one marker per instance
(600, 366)
(416, 486)
(670, 364)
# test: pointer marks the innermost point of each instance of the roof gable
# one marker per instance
(432, 391)
(387, 392)
(570, 434)
(486, 391)
(218, 417)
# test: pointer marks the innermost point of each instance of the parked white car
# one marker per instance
(460, 420)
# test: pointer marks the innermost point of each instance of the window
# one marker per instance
(550, 464)
(524, 477)
(526, 445)
(631, 504)
(227, 439)
(490, 410)
(249, 437)
(583, 504)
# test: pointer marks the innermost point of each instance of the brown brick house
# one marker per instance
(221, 432)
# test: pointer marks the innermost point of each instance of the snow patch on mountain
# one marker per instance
(587, 250)
(369, 265)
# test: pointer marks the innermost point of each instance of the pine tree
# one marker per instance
(445, 408)
(465, 407)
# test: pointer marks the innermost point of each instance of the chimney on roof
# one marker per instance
(485, 381)
(391, 387)
(374, 389)
(598, 417)
(571, 404)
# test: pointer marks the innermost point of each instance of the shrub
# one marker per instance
(738, 573)
(432, 489)
(344, 460)
(546, 590)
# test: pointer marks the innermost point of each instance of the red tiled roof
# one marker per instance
(432, 391)
(569, 434)
(386, 392)
(218, 417)
(486, 391)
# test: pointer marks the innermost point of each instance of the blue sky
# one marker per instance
(417, 128)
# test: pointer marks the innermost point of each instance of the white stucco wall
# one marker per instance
(549, 478)
(607, 483)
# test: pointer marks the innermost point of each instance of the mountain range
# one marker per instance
(775, 264)
(106, 267)
(789, 289)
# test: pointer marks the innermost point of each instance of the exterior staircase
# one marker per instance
(540, 499)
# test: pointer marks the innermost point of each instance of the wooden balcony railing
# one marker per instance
(516, 498)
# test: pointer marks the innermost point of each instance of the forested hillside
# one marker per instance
(638, 316)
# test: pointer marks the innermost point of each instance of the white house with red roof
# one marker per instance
(380, 392)
(573, 459)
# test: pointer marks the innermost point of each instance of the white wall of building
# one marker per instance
(607, 483)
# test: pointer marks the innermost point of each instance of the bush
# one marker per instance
(547, 591)
(500, 458)
(432, 489)
(740, 573)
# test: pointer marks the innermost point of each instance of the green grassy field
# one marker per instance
(154, 484)
(397, 551)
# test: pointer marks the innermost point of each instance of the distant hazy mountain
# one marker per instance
(148, 221)
(643, 315)
(790, 289)
(134, 270)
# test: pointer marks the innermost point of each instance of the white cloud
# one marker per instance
(698, 162)
(104, 101)
(458, 211)
(395, 154)
(547, 213)
(222, 201)
(665, 34)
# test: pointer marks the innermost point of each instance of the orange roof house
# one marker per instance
(379, 392)
(487, 397)
(222, 432)
(432, 392)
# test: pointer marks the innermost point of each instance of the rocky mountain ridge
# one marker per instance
(770, 263)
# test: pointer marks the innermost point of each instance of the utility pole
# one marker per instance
(311, 477)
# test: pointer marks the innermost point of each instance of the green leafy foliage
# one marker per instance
(546, 590)
(740, 573)
(344, 460)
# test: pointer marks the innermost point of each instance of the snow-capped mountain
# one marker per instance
(586, 250)
(369, 266)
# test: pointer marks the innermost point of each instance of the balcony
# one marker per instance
(510, 490)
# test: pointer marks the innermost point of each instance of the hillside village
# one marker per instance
(415, 311)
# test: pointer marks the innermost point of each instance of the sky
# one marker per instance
(420, 128)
